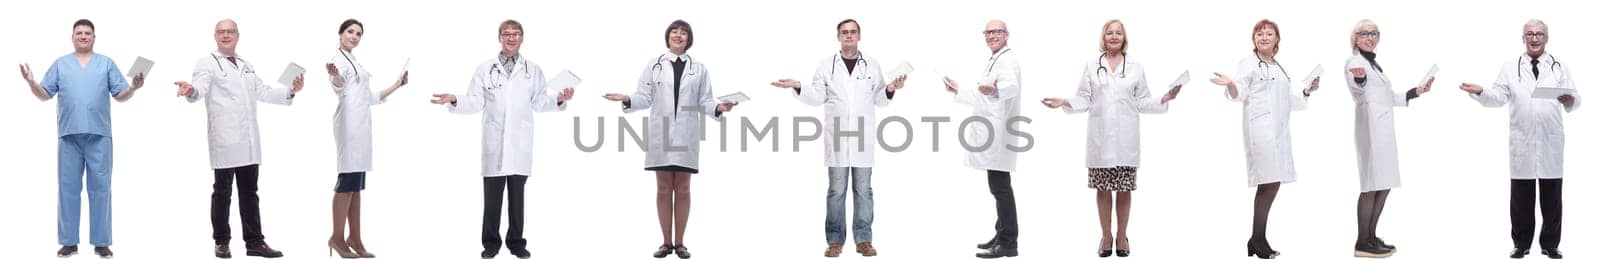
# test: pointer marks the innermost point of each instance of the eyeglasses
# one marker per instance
(1535, 34)
(1367, 34)
(228, 31)
(994, 32)
(509, 35)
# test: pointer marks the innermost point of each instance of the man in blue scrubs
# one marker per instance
(86, 82)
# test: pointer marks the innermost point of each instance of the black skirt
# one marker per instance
(673, 168)
(351, 182)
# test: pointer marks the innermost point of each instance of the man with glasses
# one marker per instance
(231, 88)
(508, 90)
(1537, 136)
(849, 86)
(86, 82)
(992, 149)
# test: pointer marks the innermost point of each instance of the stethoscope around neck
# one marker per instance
(220, 69)
(657, 68)
(1266, 69)
(1105, 72)
(860, 62)
(494, 71)
(1554, 64)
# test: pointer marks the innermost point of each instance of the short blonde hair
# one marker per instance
(1357, 29)
(1107, 28)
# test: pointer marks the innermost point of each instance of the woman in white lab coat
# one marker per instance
(352, 132)
(677, 90)
(1377, 154)
(1265, 89)
(1114, 92)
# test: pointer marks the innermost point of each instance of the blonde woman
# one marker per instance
(1114, 92)
(1377, 156)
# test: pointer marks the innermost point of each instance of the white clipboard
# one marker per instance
(1177, 85)
(1431, 72)
(1315, 74)
(1551, 92)
(903, 69)
(736, 97)
(291, 72)
(141, 66)
(565, 80)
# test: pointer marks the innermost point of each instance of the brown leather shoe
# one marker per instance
(834, 250)
(865, 249)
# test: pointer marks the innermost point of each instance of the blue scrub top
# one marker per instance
(83, 93)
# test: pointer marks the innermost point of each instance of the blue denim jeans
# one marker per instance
(861, 179)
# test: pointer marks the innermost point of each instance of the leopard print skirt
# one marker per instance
(1119, 179)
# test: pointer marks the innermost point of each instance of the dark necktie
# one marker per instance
(1535, 68)
(233, 60)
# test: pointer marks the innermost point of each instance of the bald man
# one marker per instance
(996, 101)
(231, 88)
(1538, 138)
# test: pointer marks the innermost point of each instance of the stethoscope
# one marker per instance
(218, 60)
(1265, 69)
(657, 68)
(494, 72)
(994, 59)
(860, 62)
(1554, 63)
(1103, 71)
(688, 70)
(353, 66)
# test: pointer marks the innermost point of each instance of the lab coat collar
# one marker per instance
(218, 54)
(669, 57)
(997, 54)
(1544, 58)
(1121, 66)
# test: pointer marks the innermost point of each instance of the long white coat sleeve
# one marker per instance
(642, 98)
(816, 93)
(472, 102)
(1084, 98)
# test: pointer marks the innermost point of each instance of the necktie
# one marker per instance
(233, 60)
(1535, 68)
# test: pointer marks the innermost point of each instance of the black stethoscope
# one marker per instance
(994, 59)
(1103, 69)
(1554, 63)
(688, 62)
(1265, 69)
(495, 70)
(353, 66)
(218, 60)
(860, 62)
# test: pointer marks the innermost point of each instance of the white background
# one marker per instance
(425, 191)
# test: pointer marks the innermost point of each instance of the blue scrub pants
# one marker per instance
(84, 156)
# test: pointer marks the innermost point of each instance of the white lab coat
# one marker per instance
(1268, 99)
(352, 121)
(849, 101)
(998, 110)
(231, 91)
(673, 122)
(1114, 100)
(1538, 139)
(1377, 153)
(508, 102)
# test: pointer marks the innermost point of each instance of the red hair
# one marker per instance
(1263, 25)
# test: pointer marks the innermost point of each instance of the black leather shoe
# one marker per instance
(262, 250)
(1381, 243)
(67, 251)
(487, 254)
(1519, 253)
(987, 245)
(521, 253)
(103, 252)
(1551, 253)
(1370, 249)
(682, 251)
(663, 251)
(998, 251)
(222, 251)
